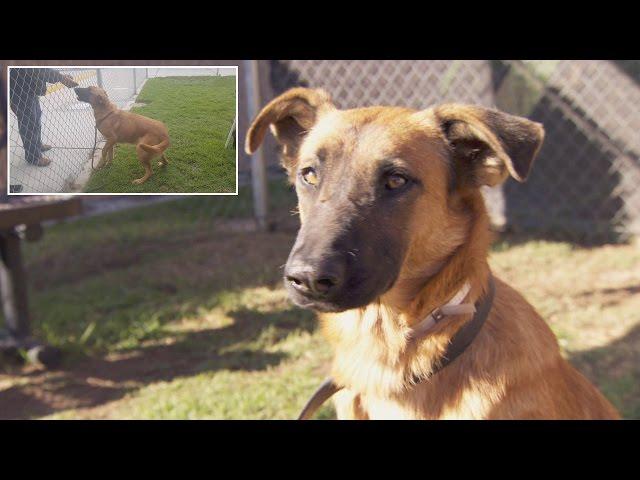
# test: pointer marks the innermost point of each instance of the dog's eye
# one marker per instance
(309, 176)
(395, 181)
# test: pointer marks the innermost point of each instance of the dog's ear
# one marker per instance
(489, 145)
(290, 116)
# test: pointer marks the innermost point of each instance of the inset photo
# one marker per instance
(122, 130)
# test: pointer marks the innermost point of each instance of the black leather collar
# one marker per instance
(459, 343)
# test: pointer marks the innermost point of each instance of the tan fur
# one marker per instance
(513, 369)
(150, 136)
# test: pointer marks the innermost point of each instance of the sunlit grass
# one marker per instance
(199, 112)
(164, 313)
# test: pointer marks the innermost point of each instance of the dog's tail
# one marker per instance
(157, 149)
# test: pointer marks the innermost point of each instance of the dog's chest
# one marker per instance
(383, 409)
(448, 400)
(471, 405)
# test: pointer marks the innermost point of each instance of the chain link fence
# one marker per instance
(584, 183)
(147, 268)
(48, 123)
(583, 186)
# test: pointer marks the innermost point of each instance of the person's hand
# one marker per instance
(68, 81)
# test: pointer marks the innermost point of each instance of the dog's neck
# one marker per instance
(380, 332)
(440, 278)
(101, 111)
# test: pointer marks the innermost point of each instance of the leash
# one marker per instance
(95, 143)
(459, 343)
(95, 137)
(321, 395)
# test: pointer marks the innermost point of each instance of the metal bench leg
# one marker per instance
(15, 304)
(13, 286)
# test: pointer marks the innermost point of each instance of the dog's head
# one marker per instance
(95, 96)
(377, 187)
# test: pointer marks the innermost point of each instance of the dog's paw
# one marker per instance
(138, 181)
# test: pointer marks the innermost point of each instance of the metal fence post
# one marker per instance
(258, 167)
(231, 137)
(135, 83)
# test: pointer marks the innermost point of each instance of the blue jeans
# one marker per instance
(27, 109)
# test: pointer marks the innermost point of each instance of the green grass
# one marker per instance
(198, 111)
(166, 311)
(134, 270)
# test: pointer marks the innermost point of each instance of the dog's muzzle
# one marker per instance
(82, 94)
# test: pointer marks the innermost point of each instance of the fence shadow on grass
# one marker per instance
(94, 381)
(615, 369)
(127, 276)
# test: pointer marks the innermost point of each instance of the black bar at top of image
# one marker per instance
(439, 32)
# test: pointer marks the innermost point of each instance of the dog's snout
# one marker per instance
(324, 284)
(80, 93)
(315, 279)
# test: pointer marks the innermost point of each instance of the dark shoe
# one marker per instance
(42, 162)
(45, 147)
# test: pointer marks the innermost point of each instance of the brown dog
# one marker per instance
(393, 227)
(150, 136)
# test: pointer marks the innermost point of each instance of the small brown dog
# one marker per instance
(393, 249)
(150, 136)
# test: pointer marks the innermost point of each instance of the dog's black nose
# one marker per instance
(316, 281)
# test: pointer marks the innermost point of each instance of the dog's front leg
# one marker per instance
(349, 406)
(110, 158)
(107, 150)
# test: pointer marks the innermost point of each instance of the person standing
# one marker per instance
(26, 86)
